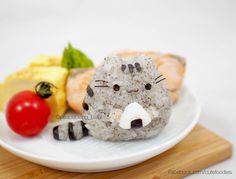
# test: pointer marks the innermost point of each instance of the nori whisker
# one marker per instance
(102, 86)
(101, 81)
(160, 80)
(158, 77)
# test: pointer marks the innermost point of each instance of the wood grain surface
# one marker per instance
(200, 149)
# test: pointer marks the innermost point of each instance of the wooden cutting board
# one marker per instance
(200, 149)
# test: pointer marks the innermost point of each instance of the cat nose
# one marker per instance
(134, 116)
(133, 90)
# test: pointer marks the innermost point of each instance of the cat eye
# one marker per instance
(116, 87)
(148, 86)
(85, 106)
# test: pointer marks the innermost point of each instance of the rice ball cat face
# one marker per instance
(126, 99)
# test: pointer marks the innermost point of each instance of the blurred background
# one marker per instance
(202, 31)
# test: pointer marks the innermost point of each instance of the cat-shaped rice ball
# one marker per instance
(126, 99)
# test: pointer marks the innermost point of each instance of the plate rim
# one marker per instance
(147, 152)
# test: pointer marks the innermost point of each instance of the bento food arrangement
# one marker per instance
(128, 96)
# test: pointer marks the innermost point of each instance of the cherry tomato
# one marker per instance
(27, 114)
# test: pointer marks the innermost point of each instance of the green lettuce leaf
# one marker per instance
(74, 58)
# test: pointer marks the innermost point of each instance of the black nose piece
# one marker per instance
(137, 123)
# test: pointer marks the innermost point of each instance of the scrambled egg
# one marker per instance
(41, 69)
(46, 60)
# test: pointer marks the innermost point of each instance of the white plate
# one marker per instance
(92, 155)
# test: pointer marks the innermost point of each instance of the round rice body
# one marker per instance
(126, 99)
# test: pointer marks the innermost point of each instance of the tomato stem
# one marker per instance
(44, 89)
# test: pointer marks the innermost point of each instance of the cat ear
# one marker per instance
(148, 62)
(113, 59)
(111, 63)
